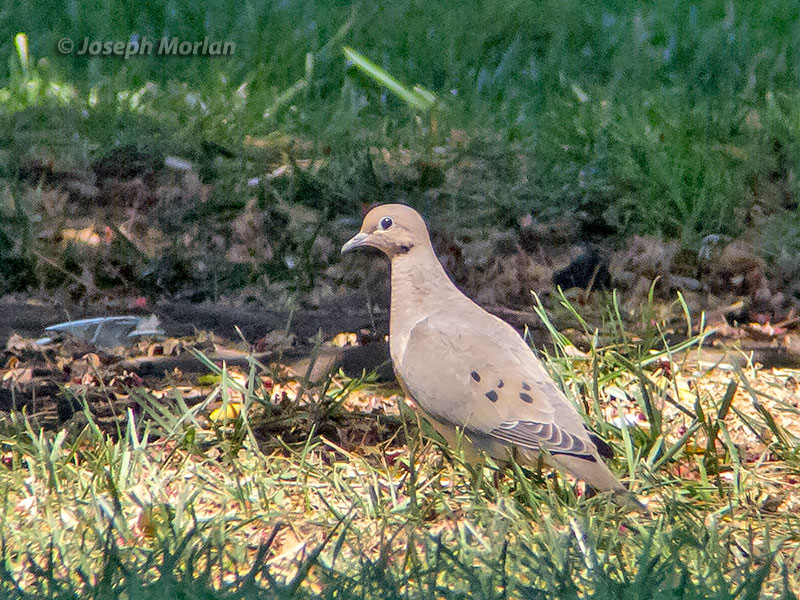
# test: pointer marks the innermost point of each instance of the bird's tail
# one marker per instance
(599, 476)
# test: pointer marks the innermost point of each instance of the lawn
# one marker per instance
(664, 137)
(253, 482)
(679, 118)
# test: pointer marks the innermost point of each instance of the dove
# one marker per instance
(469, 372)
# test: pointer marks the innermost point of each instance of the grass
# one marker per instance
(264, 503)
(677, 119)
(674, 118)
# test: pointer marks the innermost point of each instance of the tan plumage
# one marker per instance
(468, 369)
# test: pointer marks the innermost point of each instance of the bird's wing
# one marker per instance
(481, 376)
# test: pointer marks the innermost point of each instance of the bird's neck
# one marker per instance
(419, 286)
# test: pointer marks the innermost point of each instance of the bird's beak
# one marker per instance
(357, 240)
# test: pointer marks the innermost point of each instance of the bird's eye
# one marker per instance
(386, 222)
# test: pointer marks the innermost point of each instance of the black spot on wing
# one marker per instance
(526, 387)
(500, 383)
(475, 375)
(525, 398)
(492, 395)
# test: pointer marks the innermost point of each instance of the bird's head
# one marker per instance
(394, 229)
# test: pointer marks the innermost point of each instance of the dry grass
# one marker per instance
(363, 505)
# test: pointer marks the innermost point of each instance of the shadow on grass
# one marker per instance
(571, 564)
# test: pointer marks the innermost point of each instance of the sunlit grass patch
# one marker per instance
(233, 507)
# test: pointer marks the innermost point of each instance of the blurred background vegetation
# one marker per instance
(678, 119)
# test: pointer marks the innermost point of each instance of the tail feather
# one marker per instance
(599, 476)
(595, 473)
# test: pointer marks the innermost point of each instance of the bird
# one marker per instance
(472, 375)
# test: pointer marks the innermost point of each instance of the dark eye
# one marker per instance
(386, 222)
